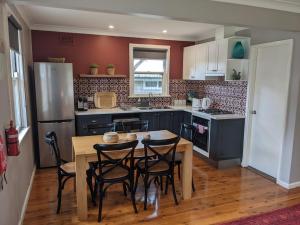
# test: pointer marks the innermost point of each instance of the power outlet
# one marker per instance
(90, 99)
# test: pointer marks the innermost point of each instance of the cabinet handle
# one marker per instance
(253, 112)
(94, 121)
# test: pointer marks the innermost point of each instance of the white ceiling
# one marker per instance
(284, 5)
(79, 21)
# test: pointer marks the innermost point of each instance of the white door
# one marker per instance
(271, 65)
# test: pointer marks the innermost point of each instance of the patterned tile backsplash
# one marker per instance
(229, 96)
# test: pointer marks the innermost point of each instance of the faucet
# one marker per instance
(150, 96)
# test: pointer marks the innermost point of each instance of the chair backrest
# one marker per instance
(135, 126)
(51, 140)
(105, 154)
(187, 131)
(160, 150)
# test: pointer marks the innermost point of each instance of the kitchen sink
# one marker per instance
(155, 107)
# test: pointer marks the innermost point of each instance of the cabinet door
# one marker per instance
(212, 57)
(201, 61)
(222, 55)
(188, 62)
(176, 120)
(165, 122)
(151, 117)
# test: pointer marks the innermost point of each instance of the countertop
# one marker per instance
(172, 108)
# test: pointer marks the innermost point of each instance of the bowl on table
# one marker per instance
(131, 136)
(111, 137)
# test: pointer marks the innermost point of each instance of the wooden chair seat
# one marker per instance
(158, 167)
(69, 167)
(118, 172)
(178, 158)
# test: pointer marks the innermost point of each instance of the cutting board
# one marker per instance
(105, 100)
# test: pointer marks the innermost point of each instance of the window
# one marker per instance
(149, 70)
(17, 75)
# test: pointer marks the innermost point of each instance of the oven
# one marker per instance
(202, 135)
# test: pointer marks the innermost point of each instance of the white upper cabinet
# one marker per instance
(194, 62)
(217, 57)
(214, 59)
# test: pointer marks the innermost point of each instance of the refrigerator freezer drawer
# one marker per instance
(64, 131)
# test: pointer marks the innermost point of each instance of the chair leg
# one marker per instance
(95, 191)
(89, 181)
(161, 183)
(173, 189)
(59, 192)
(146, 191)
(100, 203)
(132, 194)
(124, 189)
(167, 185)
(193, 185)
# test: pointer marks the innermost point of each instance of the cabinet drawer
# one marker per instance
(83, 122)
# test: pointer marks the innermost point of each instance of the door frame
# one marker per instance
(250, 96)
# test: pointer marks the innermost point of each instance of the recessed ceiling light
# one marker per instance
(111, 26)
(165, 31)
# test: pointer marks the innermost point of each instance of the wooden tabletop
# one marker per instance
(83, 145)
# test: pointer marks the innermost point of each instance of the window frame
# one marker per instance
(166, 75)
(17, 78)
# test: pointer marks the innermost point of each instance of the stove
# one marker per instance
(215, 111)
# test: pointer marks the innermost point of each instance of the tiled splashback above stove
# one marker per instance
(229, 96)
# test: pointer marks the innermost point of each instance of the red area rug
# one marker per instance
(286, 216)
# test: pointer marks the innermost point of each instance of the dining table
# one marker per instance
(84, 152)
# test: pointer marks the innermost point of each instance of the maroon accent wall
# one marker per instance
(84, 49)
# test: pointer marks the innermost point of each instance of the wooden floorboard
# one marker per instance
(221, 195)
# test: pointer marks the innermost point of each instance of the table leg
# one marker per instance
(81, 190)
(187, 166)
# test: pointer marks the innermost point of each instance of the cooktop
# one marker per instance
(215, 111)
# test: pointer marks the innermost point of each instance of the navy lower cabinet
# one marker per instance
(226, 139)
(87, 124)
(187, 117)
(169, 120)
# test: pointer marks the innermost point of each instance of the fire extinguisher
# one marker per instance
(12, 140)
(3, 163)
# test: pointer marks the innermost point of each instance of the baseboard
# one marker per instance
(288, 185)
(27, 197)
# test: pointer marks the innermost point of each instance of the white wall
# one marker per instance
(19, 168)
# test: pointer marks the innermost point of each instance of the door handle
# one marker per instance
(253, 112)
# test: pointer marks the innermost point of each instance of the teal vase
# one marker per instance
(238, 51)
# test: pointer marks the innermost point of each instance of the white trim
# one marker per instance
(283, 5)
(250, 98)
(82, 30)
(288, 185)
(166, 76)
(27, 197)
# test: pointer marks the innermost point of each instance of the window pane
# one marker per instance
(148, 65)
(147, 83)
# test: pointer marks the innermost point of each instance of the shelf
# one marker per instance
(102, 76)
(237, 59)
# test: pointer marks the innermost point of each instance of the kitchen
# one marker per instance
(88, 78)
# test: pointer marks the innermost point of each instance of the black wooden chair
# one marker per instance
(156, 164)
(93, 129)
(187, 131)
(112, 170)
(65, 170)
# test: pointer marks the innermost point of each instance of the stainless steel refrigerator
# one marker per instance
(54, 108)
